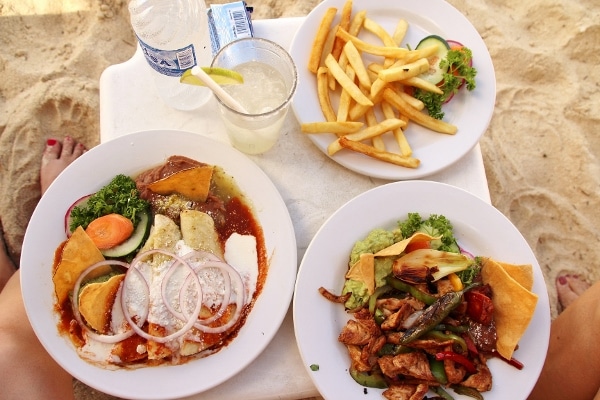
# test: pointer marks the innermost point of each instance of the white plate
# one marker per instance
(471, 112)
(479, 228)
(131, 155)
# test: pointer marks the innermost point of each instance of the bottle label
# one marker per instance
(169, 62)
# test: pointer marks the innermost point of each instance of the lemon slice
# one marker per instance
(222, 76)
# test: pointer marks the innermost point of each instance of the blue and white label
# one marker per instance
(169, 62)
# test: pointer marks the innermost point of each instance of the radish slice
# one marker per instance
(82, 201)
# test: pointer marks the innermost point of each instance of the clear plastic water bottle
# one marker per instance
(174, 36)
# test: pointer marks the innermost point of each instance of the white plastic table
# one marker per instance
(312, 186)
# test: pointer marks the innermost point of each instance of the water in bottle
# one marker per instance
(174, 37)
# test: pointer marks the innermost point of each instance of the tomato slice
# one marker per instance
(417, 245)
(479, 307)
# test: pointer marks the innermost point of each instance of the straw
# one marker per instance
(218, 90)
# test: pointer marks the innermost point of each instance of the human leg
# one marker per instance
(7, 267)
(571, 369)
(27, 369)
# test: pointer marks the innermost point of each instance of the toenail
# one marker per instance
(51, 142)
(562, 280)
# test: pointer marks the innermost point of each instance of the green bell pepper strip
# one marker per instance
(441, 336)
(441, 392)
(378, 293)
(413, 291)
(389, 349)
(438, 371)
(373, 379)
(467, 391)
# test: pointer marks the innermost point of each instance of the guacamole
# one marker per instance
(376, 240)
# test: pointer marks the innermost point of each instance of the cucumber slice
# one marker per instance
(435, 74)
(134, 242)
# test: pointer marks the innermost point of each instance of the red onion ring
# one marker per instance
(240, 299)
(75, 305)
(191, 320)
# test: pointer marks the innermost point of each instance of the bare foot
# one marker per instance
(7, 267)
(56, 157)
(569, 287)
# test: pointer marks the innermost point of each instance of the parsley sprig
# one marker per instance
(119, 196)
(458, 63)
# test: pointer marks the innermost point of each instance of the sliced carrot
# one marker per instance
(109, 230)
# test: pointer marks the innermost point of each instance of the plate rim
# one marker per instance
(280, 281)
(539, 332)
(379, 169)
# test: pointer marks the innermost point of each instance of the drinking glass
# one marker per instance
(270, 80)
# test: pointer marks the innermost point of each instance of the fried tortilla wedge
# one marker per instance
(192, 183)
(398, 247)
(514, 304)
(96, 301)
(77, 254)
(364, 271)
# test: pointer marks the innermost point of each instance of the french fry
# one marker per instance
(357, 23)
(314, 60)
(323, 94)
(356, 61)
(388, 112)
(413, 101)
(367, 133)
(393, 52)
(345, 20)
(405, 71)
(400, 32)
(328, 46)
(417, 116)
(354, 29)
(345, 98)
(371, 119)
(380, 32)
(386, 156)
(421, 83)
(345, 82)
(336, 127)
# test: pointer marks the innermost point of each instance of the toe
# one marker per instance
(67, 147)
(53, 150)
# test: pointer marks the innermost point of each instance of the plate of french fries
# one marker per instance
(357, 61)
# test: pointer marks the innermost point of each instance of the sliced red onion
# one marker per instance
(240, 299)
(115, 338)
(190, 321)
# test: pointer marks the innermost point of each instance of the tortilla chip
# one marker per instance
(514, 305)
(78, 253)
(522, 273)
(198, 232)
(364, 271)
(398, 247)
(96, 301)
(192, 183)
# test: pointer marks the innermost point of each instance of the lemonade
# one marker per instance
(263, 89)
(269, 82)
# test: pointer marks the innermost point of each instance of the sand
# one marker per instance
(540, 151)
